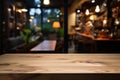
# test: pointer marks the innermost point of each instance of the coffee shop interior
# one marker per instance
(60, 26)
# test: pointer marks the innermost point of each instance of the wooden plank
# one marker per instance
(60, 63)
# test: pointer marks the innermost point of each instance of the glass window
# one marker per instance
(49, 16)
(35, 18)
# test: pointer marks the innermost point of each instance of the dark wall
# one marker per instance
(1, 28)
(65, 24)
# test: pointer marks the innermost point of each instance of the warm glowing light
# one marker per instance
(30, 20)
(97, 9)
(9, 9)
(87, 12)
(104, 22)
(18, 28)
(48, 20)
(46, 2)
(24, 10)
(93, 17)
(78, 11)
(32, 17)
(93, 1)
(56, 24)
(117, 22)
(19, 10)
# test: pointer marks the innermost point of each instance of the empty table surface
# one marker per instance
(46, 45)
(60, 63)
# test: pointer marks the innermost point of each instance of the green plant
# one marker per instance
(25, 34)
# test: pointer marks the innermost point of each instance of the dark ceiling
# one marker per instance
(88, 4)
(53, 3)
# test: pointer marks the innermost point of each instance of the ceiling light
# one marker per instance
(78, 11)
(46, 2)
(93, 1)
(9, 9)
(24, 10)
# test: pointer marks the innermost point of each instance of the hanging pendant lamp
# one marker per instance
(87, 12)
(97, 9)
(46, 2)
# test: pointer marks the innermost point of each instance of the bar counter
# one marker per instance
(60, 63)
(88, 43)
(96, 39)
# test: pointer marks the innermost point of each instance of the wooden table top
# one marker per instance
(46, 45)
(60, 63)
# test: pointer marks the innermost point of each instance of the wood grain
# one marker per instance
(60, 63)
